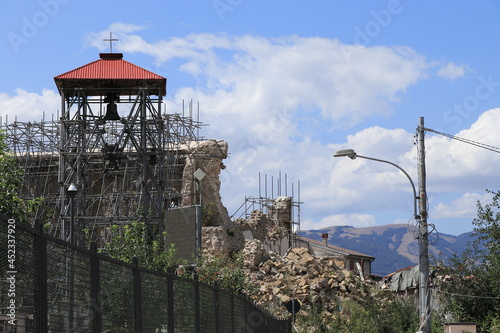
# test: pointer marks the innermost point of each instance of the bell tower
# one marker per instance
(112, 147)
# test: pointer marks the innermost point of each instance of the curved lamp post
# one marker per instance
(352, 155)
(424, 297)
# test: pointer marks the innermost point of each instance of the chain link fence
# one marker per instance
(49, 285)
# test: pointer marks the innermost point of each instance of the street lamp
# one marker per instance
(352, 155)
(72, 190)
(199, 175)
(424, 295)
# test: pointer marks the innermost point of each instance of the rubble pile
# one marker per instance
(280, 273)
(311, 281)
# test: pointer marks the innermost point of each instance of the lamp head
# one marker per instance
(346, 152)
(72, 189)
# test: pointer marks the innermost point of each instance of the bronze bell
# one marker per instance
(111, 112)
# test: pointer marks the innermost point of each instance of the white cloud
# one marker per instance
(452, 71)
(284, 75)
(265, 97)
(462, 165)
(353, 220)
(369, 187)
(365, 184)
(463, 207)
(120, 32)
(29, 106)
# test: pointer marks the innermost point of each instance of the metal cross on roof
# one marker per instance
(111, 40)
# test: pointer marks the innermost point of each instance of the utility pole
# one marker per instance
(423, 239)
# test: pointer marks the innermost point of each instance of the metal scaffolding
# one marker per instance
(126, 169)
(266, 203)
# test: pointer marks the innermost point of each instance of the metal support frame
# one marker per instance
(90, 143)
(126, 170)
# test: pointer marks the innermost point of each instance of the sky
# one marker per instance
(288, 83)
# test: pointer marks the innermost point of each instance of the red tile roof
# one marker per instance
(111, 66)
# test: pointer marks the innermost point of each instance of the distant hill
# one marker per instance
(394, 246)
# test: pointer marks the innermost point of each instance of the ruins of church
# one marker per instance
(113, 155)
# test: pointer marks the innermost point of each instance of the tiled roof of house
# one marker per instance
(335, 248)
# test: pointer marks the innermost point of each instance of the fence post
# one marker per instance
(96, 289)
(197, 301)
(41, 278)
(217, 304)
(233, 320)
(137, 296)
(170, 302)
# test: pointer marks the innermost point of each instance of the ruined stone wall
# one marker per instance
(104, 184)
(207, 156)
(264, 234)
(273, 234)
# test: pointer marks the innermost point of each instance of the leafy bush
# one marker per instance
(11, 180)
(209, 214)
(133, 240)
(225, 272)
(472, 292)
(389, 314)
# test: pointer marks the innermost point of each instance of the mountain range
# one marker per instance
(394, 246)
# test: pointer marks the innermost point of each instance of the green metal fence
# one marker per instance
(49, 285)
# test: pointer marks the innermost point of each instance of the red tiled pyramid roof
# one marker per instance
(117, 69)
(110, 68)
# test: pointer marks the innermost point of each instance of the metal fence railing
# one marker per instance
(49, 285)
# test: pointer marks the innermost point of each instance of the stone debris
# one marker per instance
(301, 276)
(280, 273)
(254, 253)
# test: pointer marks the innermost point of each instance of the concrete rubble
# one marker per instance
(279, 272)
(298, 274)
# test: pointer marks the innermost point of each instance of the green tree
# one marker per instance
(375, 314)
(225, 272)
(210, 214)
(472, 291)
(133, 240)
(11, 181)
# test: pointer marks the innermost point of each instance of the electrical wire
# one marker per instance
(468, 141)
(433, 228)
(471, 142)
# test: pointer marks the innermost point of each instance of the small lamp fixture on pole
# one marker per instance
(72, 191)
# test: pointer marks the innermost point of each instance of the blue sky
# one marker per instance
(287, 83)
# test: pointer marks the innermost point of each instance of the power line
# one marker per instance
(471, 142)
